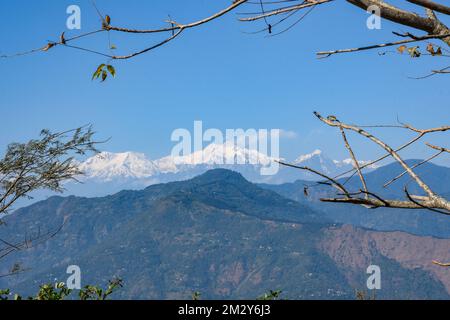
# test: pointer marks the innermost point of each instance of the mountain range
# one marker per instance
(108, 166)
(107, 173)
(222, 236)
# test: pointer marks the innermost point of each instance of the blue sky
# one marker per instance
(216, 73)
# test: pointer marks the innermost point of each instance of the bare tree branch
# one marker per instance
(285, 10)
(441, 264)
(383, 145)
(432, 5)
(438, 148)
(432, 201)
(325, 54)
(413, 167)
(397, 15)
(413, 200)
(434, 28)
(334, 182)
(31, 242)
(219, 14)
(395, 204)
(355, 161)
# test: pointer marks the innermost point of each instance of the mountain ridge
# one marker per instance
(218, 234)
(108, 173)
(108, 165)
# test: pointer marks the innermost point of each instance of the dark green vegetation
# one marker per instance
(60, 291)
(216, 234)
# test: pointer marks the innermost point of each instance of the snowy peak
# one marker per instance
(224, 153)
(350, 163)
(136, 167)
(107, 166)
(306, 157)
(317, 160)
(211, 156)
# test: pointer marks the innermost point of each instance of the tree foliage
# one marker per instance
(59, 291)
(43, 163)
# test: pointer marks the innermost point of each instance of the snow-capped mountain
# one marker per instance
(349, 162)
(318, 161)
(108, 166)
(134, 170)
(108, 173)
(214, 155)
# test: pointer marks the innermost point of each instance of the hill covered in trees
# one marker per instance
(220, 235)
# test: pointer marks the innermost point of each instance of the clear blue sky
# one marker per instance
(215, 73)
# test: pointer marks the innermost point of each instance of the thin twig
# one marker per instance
(413, 167)
(383, 145)
(441, 264)
(284, 10)
(411, 198)
(438, 148)
(355, 161)
(334, 182)
(325, 54)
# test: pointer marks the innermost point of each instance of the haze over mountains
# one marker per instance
(223, 236)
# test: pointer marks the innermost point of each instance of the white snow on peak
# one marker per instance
(309, 156)
(317, 160)
(107, 165)
(214, 154)
(224, 153)
(350, 162)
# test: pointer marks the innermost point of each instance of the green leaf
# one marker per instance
(100, 67)
(111, 70)
(104, 75)
(95, 75)
(98, 71)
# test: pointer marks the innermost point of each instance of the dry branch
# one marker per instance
(334, 182)
(438, 148)
(383, 45)
(280, 11)
(434, 28)
(431, 201)
(355, 161)
(413, 167)
(432, 5)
